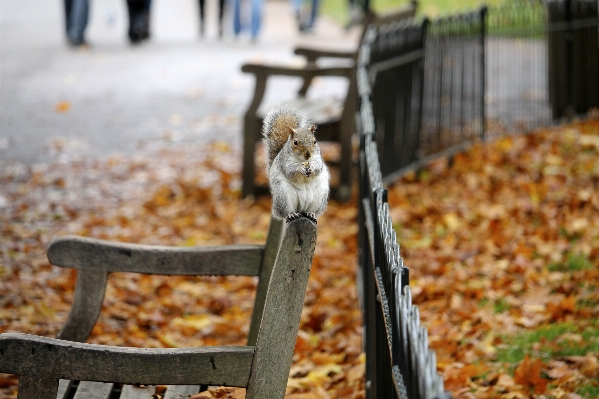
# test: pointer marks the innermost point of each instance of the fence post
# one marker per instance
(483, 39)
(569, 110)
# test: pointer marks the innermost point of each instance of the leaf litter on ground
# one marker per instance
(502, 244)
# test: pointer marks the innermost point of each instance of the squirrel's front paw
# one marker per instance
(292, 216)
(312, 217)
(306, 169)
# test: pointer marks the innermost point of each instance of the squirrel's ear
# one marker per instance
(312, 128)
(291, 132)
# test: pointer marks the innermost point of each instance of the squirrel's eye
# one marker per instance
(294, 142)
(314, 141)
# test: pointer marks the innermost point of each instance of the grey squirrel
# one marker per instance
(297, 175)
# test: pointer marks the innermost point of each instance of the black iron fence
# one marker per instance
(482, 74)
(399, 363)
(431, 89)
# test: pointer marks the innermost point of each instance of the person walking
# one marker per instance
(221, 12)
(76, 18)
(305, 24)
(139, 20)
(239, 23)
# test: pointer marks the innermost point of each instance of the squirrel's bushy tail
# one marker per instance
(275, 128)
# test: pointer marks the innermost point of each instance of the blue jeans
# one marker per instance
(255, 18)
(76, 17)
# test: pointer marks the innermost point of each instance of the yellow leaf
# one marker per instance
(63, 106)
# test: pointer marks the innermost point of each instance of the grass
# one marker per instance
(590, 390)
(573, 263)
(339, 9)
(561, 339)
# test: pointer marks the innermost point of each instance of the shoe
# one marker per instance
(80, 44)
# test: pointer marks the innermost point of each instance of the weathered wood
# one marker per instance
(312, 54)
(310, 71)
(41, 357)
(87, 304)
(283, 266)
(271, 249)
(93, 390)
(63, 388)
(282, 311)
(99, 255)
(37, 388)
(136, 392)
(181, 391)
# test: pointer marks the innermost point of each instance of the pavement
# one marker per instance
(117, 98)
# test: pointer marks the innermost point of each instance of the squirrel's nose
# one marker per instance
(307, 154)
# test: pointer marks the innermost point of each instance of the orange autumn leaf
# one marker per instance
(528, 374)
(63, 106)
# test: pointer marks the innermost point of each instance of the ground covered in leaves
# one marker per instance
(503, 248)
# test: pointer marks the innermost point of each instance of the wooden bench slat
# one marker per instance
(134, 392)
(92, 254)
(63, 389)
(93, 390)
(50, 358)
(181, 391)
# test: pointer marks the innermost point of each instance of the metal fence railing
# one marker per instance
(399, 363)
(542, 59)
(454, 84)
(433, 88)
(482, 74)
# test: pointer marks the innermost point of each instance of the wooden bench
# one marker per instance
(335, 117)
(52, 368)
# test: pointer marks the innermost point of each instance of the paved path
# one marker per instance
(115, 97)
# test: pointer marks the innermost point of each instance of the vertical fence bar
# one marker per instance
(483, 69)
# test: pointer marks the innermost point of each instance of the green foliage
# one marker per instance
(573, 263)
(339, 9)
(563, 339)
(501, 306)
(590, 390)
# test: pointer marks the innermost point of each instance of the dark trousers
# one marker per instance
(221, 12)
(139, 20)
(76, 16)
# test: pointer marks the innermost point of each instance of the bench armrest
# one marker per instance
(313, 54)
(51, 358)
(308, 71)
(99, 255)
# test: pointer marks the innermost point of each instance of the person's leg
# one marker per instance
(236, 16)
(221, 14)
(256, 17)
(138, 19)
(201, 4)
(78, 19)
(147, 7)
(313, 13)
(296, 5)
(67, 14)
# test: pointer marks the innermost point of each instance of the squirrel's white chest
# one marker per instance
(309, 192)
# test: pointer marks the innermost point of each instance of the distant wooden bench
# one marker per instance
(335, 117)
(95, 371)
